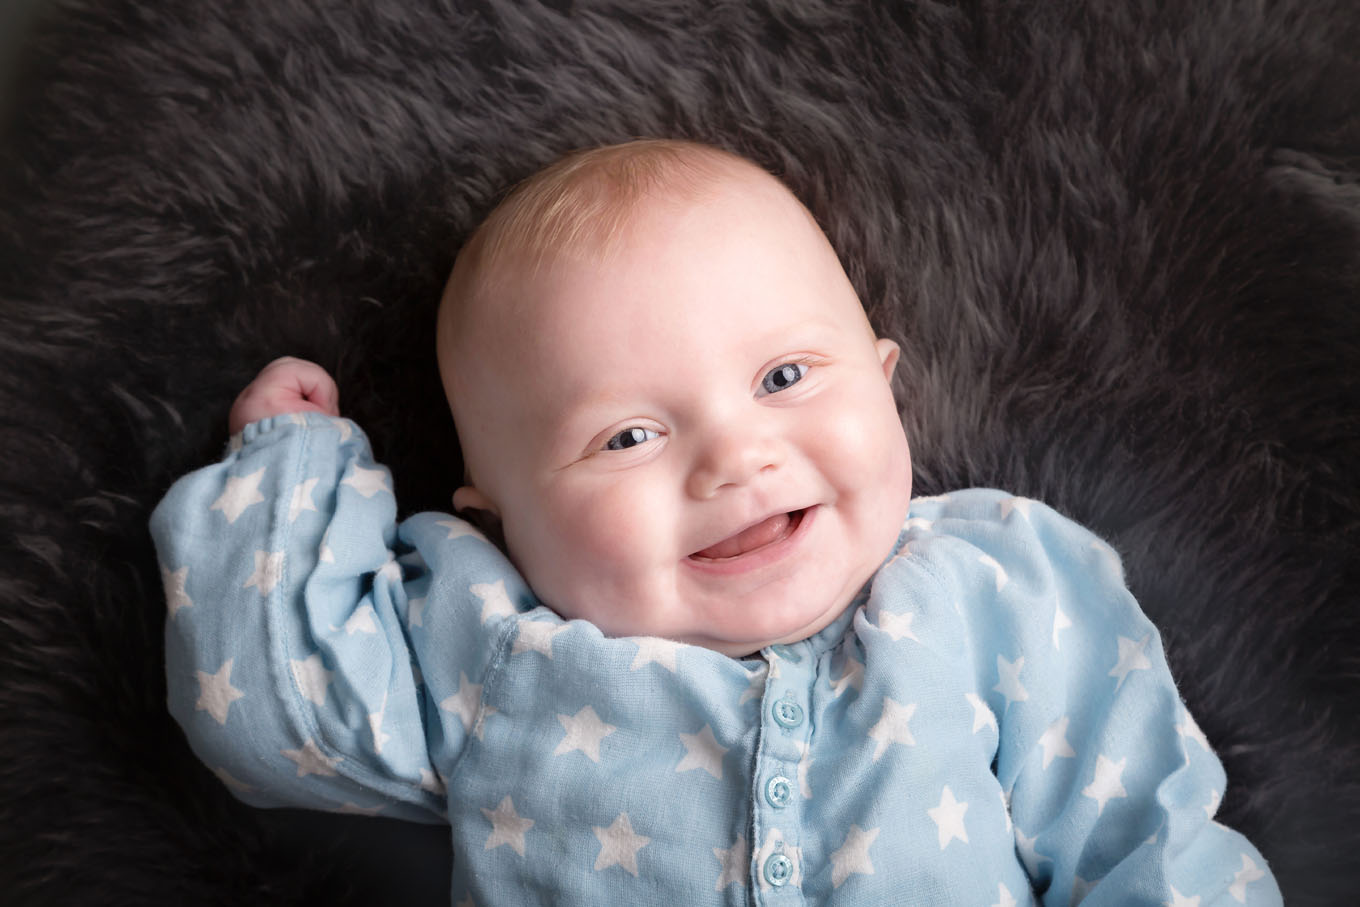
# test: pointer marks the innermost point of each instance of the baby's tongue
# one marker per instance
(748, 539)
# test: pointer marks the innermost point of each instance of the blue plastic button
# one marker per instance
(788, 713)
(779, 791)
(778, 870)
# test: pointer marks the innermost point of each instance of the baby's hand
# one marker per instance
(283, 386)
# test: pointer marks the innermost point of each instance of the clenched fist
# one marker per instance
(286, 385)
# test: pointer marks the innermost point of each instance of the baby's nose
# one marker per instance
(732, 459)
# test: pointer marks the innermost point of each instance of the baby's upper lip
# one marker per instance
(740, 528)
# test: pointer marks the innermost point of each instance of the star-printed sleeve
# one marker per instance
(296, 614)
(1112, 787)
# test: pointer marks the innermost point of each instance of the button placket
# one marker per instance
(786, 726)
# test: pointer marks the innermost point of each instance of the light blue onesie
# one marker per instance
(991, 722)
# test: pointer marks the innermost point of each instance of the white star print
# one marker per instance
(301, 499)
(375, 720)
(1029, 855)
(734, 862)
(893, 726)
(536, 636)
(1249, 873)
(215, 692)
(804, 763)
(917, 522)
(1060, 622)
(897, 625)
(268, 570)
(430, 781)
(1080, 889)
(236, 442)
(934, 499)
(415, 612)
(458, 528)
(1008, 673)
(853, 855)
(1005, 898)
(654, 649)
(702, 750)
(1131, 658)
(982, 713)
(585, 731)
(390, 570)
(311, 677)
(1110, 555)
(1001, 577)
(1180, 900)
(241, 493)
(1107, 784)
(297, 418)
(363, 620)
(507, 827)
(464, 701)
(1212, 806)
(1021, 505)
(1054, 742)
(1189, 729)
(948, 819)
(619, 845)
(495, 601)
(367, 482)
(852, 675)
(343, 426)
(175, 596)
(324, 553)
(311, 761)
(757, 688)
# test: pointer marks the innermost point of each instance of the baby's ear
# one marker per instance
(888, 351)
(479, 510)
(469, 498)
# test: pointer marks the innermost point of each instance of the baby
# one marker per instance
(723, 657)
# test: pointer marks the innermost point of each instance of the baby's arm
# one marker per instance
(287, 655)
(1112, 786)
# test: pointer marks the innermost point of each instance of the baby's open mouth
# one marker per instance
(766, 532)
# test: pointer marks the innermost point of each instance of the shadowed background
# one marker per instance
(1119, 243)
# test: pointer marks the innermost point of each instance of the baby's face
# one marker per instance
(695, 439)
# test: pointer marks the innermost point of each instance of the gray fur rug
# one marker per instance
(1118, 241)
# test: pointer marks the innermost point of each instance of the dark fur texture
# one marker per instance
(1120, 246)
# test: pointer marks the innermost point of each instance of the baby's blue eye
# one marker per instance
(630, 437)
(783, 377)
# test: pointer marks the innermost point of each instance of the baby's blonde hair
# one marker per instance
(582, 204)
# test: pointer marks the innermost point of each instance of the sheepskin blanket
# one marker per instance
(1119, 243)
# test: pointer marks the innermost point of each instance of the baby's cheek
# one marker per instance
(858, 442)
(605, 526)
(603, 546)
